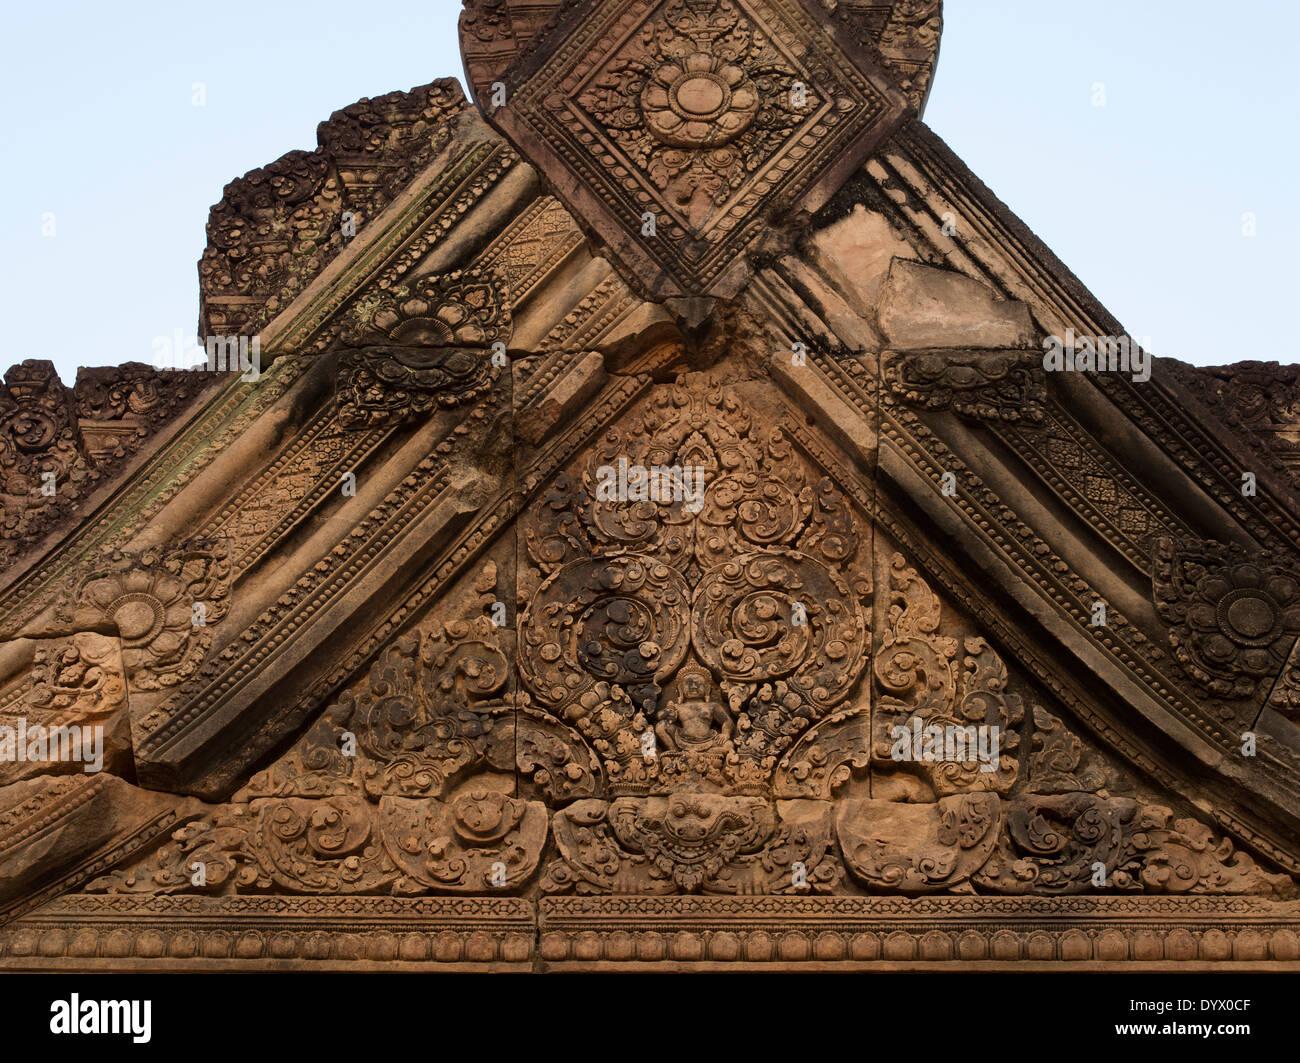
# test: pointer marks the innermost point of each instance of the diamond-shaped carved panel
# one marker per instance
(496, 35)
(684, 133)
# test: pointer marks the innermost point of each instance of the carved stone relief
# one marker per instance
(690, 703)
(1234, 614)
(980, 385)
(161, 602)
(57, 445)
(653, 644)
(717, 607)
(280, 225)
(679, 131)
(424, 345)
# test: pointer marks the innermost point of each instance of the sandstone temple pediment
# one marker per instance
(652, 536)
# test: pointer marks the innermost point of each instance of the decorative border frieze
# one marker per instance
(82, 932)
(897, 932)
(122, 933)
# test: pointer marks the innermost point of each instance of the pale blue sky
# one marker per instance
(1142, 198)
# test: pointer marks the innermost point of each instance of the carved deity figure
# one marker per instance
(694, 721)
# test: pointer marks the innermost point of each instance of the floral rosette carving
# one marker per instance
(460, 309)
(698, 99)
(380, 386)
(162, 604)
(1235, 615)
(421, 347)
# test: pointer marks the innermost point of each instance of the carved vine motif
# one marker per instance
(345, 845)
(435, 709)
(945, 683)
(392, 791)
(671, 728)
(79, 675)
(754, 586)
(1235, 615)
(1059, 762)
(951, 823)
(1078, 843)
(397, 788)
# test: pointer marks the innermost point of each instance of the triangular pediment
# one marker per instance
(716, 658)
(505, 602)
